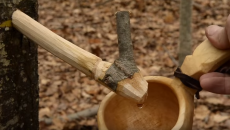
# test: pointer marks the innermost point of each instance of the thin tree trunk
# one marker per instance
(185, 29)
(19, 98)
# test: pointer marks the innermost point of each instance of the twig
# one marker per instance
(170, 56)
(102, 3)
(124, 72)
(125, 66)
(82, 114)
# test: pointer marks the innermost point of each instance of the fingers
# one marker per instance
(219, 36)
(216, 82)
(227, 28)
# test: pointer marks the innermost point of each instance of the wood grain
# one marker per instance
(205, 58)
(89, 64)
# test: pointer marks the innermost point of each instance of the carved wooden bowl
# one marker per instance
(164, 109)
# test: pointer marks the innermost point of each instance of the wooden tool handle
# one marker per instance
(77, 57)
(205, 58)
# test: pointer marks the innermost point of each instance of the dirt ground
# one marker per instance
(91, 25)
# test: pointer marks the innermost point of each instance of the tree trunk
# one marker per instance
(19, 97)
(185, 29)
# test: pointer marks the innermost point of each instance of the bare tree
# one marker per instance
(18, 70)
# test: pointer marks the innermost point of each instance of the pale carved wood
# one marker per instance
(93, 66)
(205, 58)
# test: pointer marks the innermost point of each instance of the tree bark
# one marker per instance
(19, 99)
(125, 66)
(185, 30)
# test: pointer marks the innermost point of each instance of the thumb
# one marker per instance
(217, 36)
(216, 82)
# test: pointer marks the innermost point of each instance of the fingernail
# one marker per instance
(212, 30)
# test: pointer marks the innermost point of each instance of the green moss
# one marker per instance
(7, 78)
(10, 122)
(7, 23)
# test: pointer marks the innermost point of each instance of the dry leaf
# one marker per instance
(85, 95)
(88, 29)
(227, 123)
(154, 70)
(76, 92)
(91, 122)
(169, 62)
(44, 112)
(112, 36)
(44, 81)
(51, 90)
(169, 18)
(201, 112)
(94, 41)
(70, 97)
(214, 100)
(96, 50)
(220, 118)
(58, 125)
(92, 90)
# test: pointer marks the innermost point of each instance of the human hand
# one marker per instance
(220, 38)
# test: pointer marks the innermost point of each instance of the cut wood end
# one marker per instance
(134, 88)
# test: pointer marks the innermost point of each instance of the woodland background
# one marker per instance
(91, 25)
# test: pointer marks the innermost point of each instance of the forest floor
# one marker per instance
(91, 25)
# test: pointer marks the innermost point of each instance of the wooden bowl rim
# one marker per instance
(180, 93)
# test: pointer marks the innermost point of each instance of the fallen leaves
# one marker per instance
(169, 18)
(218, 118)
(201, 112)
(214, 100)
(112, 36)
(211, 113)
(44, 112)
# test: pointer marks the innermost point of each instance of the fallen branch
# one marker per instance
(103, 3)
(79, 115)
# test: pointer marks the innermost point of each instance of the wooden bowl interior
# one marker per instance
(160, 111)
